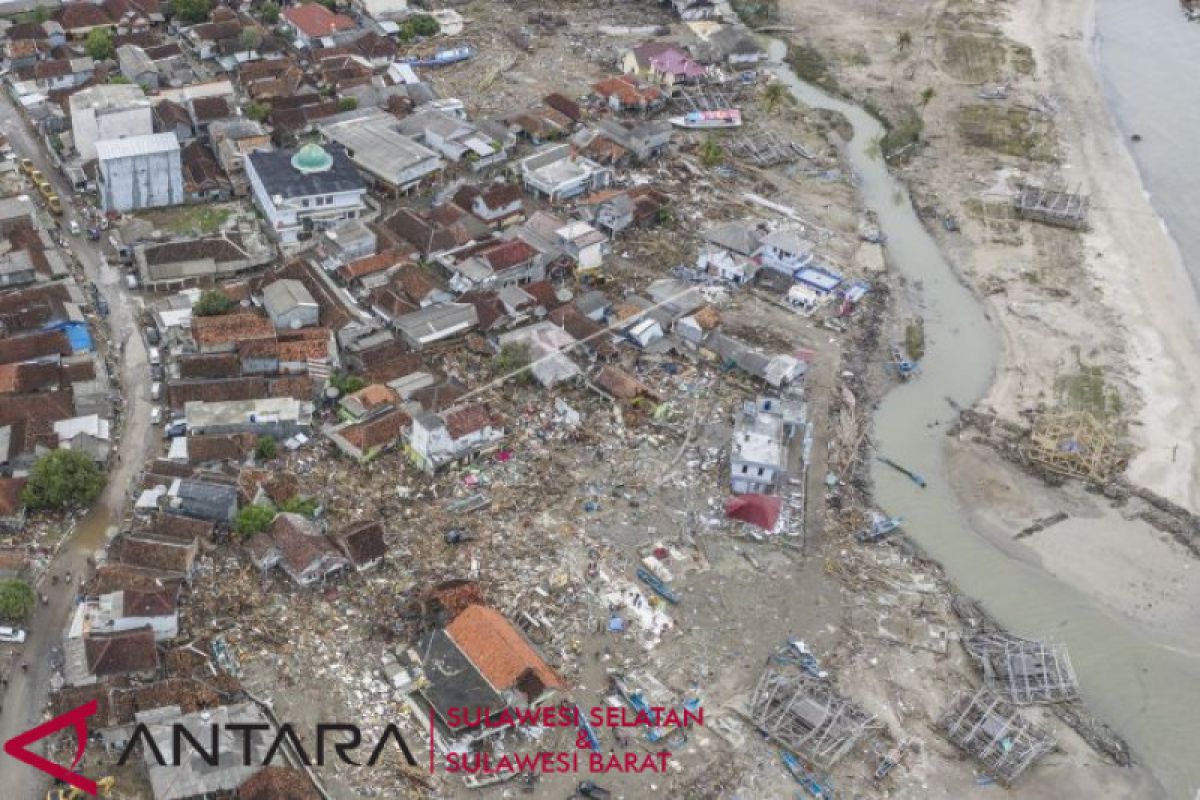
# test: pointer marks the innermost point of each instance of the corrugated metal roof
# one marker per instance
(130, 146)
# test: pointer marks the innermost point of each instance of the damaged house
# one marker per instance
(458, 435)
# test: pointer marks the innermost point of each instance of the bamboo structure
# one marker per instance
(1077, 445)
(704, 98)
(1022, 670)
(988, 728)
(805, 715)
(763, 148)
(1063, 209)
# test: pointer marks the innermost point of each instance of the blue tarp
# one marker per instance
(78, 335)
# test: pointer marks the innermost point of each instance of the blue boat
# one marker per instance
(450, 55)
(881, 527)
(805, 778)
(656, 583)
(588, 730)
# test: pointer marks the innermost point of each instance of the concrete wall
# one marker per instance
(142, 181)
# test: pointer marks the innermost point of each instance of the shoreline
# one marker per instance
(1158, 307)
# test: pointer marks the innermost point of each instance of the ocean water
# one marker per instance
(1149, 64)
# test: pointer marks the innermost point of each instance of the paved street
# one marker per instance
(26, 693)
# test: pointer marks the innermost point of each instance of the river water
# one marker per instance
(1145, 684)
(1155, 92)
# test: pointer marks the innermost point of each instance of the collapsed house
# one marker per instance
(805, 715)
(1022, 670)
(1062, 209)
(989, 729)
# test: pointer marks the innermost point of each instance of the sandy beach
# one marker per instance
(1135, 264)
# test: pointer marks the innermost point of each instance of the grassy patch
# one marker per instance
(903, 131)
(189, 220)
(1087, 390)
(974, 59)
(1005, 129)
(810, 65)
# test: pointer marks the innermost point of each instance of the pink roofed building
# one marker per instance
(662, 62)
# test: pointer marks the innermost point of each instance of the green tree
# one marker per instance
(513, 361)
(16, 600)
(774, 95)
(99, 44)
(257, 111)
(346, 383)
(297, 505)
(424, 25)
(63, 479)
(252, 519)
(711, 152)
(927, 94)
(268, 12)
(266, 448)
(117, 77)
(347, 104)
(904, 40)
(250, 38)
(212, 304)
(191, 12)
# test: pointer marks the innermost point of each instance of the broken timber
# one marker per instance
(1064, 209)
(988, 728)
(805, 715)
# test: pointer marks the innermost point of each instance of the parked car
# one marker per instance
(8, 634)
(74, 227)
(27, 167)
(156, 415)
(131, 280)
(156, 372)
(54, 204)
(156, 390)
(152, 334)
(175, 429)
(155, 356)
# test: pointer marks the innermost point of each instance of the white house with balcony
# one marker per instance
(305, 191)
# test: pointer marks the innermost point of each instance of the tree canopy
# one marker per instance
(212, 304)
(63, 479)
(191, 12)
(253, 519)
(99, 44)
(16, 600)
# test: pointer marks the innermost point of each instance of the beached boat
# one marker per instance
(701, 120)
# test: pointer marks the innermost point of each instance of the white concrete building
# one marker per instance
(140, 172)
(460, 434)
(125, 611)
(108, 111)
(304, 191)
(758, 453)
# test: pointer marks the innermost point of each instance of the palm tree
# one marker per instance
(927, 94)
(774, 95)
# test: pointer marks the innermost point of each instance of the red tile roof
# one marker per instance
(468, 419)
(227, 329)
(377, 431)
(369, 265)
(363, 543)
(121, 653)
(497, 649)
(507, 254)
(10, 496)
(315, 20)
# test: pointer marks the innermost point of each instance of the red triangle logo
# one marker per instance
(76, 718)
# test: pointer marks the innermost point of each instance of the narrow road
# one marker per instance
(26, 693)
